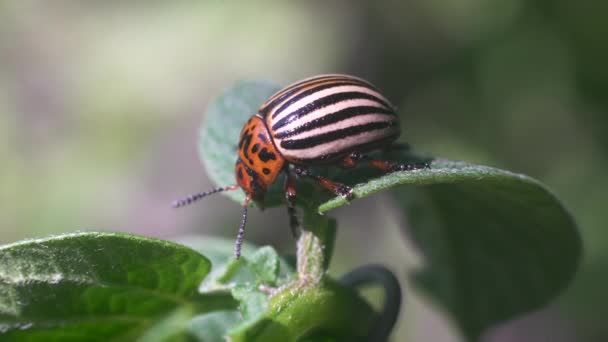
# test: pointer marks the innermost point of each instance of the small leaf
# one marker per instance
(241, 279)
(265, 266)
(245, 276)
(253, 303)
(221, 252)
(261, 268)
(99, 286)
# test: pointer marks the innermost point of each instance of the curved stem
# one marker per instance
(370, 274)
(315, 246)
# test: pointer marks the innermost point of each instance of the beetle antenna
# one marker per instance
(193, 198)
(241, 233)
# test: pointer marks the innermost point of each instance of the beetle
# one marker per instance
(323, 120)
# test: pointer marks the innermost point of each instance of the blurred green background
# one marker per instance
(100, 103)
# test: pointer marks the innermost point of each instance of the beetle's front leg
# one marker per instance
(335, 187)
(290, 198)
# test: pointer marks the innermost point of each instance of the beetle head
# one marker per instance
(250, 182)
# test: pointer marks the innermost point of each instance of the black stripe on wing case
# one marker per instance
(333, 135)
(326, 101)
(311, 91)
(332, 118)
(290, 90)
(370, 145)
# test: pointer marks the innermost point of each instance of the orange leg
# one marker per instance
(335, 187)
(385, 166)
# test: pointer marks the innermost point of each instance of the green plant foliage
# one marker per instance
(289, 310)
(100, 286)
(242, 279)
(498, 244)
(213, 326)
(301, 309)
(110, 286)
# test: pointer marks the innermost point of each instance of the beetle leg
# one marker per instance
(335, 187)
(386, 166)
(290, 198)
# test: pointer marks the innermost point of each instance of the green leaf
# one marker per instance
(497, 244)
(307, 304)
(261, 268)
(245, 278)
(300, 311)
(240, 278)
(253, 302)
(100, 286)
(265, 265)
(214, 326)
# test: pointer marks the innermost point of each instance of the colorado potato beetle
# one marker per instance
(322, 120)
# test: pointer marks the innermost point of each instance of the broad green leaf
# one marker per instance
(497, 244)
(175, 328)
(100, 286)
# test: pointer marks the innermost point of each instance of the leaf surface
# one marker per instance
(99, 286)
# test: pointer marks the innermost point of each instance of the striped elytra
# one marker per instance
(323, 118)
(327, 119)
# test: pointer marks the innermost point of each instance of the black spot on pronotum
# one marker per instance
(266, 170)
(239, 173)
(251, 161)
(265, 155)
(255, 148)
